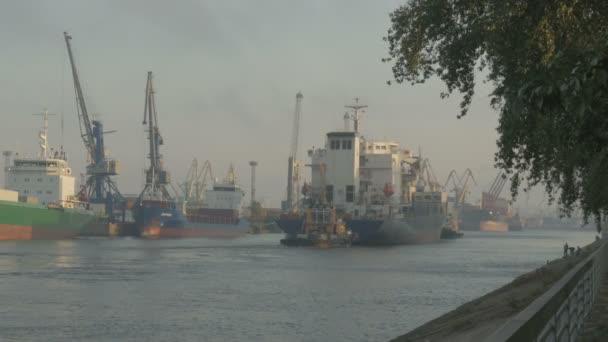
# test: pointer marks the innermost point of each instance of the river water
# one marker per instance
(251, 288)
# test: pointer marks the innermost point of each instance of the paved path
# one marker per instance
(596, 324)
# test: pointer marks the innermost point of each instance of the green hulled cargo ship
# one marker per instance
(39, 201)
(23, 221)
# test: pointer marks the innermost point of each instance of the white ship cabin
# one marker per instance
(358, 172)
(226, 194)
(47, 178)
(336, 168)
(361, 176)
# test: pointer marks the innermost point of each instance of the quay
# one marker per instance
(564, 300)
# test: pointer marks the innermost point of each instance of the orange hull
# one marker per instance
(16, 232)
(162, 233)
(493, 226)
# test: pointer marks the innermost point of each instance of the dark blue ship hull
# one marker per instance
(392, 231)
(163, 220)
(396, 231)
(291, 226)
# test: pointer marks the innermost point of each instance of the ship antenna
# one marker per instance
(357, 110)
(43, 135)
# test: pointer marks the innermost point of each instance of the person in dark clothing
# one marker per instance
(566, 249)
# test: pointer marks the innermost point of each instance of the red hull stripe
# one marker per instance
(158, 232)
(17, 232)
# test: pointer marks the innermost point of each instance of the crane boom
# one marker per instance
(99, 187)
(157, 178)
(468, 174)
(292, 164)
(86, 128)
(295, 131)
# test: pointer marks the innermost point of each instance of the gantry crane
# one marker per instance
(293, 173)
(157, 178)
(196, 181)
(99, 186)
(489, 198)
(460, 198)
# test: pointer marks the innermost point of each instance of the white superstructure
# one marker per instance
(225, 195)
(47, 177)
(359, 175)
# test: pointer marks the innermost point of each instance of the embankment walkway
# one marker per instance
(565, 300)
(595, 327)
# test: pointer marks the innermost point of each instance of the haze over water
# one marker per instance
(251, 288)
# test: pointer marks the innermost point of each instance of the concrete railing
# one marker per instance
(559, 313)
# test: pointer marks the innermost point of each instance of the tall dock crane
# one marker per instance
(99, 187)
(157, 178)
(293, 167)
(489, 199)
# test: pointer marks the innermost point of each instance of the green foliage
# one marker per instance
(547, 61)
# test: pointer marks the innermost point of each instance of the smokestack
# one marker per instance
(253, 164)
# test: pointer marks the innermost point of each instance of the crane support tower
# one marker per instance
(157, 178)
(99, 187)
(292, 163)
(253, 165)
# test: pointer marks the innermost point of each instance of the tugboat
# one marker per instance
(321, 228)
(383, 194)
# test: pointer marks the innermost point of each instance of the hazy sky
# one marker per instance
(226, 75)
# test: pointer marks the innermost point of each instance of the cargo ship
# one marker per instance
(493, 214)
(383, 193)
(219, 215)
(39, 199)
(158, 215)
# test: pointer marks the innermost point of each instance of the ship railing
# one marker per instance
(559, 313)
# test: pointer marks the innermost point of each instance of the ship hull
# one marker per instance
(291, 226)
(403, 231)
(20, 221)
(194, 230)
(165, 222)
(494, 226)
(397, 231)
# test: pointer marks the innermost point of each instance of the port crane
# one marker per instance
(460, 185)
(456, 181)
(428, 175)
(489, 198)
(468, 174)
(99, 187)
(157, 178)
(196, 181)
(293, 167)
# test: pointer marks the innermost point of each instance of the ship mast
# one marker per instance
(44, 134)
(357, 110)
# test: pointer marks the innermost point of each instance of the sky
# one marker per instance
(226, 74)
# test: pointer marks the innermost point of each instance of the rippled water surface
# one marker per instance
(251, 288)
